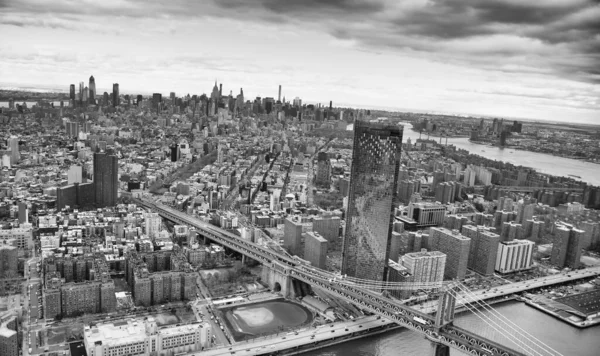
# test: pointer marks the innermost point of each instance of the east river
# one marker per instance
(541, 162)
(565, 339)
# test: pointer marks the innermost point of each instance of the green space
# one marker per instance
(329, 200)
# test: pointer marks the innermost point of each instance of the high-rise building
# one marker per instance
(115, 95)
(398, 274)
(13, 145)
(456, 247)
(406, 188)
(315, 249)
(292, 236)
(106, 185)
(92, 90)
(483, 250)
(515, 255)
(373, 183)
(81, 89)
(72, 92)
(425, 266)
(8, 258)
(567, 246)
(152, 224)
(156, 101)
(9, 344)
(329, 228)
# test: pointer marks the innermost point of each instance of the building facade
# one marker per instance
(514, 256)
(373, 190)
(315, 249)
(143, 337)
(456, 247)
(483, 249)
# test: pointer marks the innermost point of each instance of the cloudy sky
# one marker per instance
(513, 58)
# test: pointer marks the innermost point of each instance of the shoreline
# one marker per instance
(512, 147)
(579, 324)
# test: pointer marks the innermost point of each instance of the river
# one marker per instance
(541, 162)
(4, 104)
(565, 339)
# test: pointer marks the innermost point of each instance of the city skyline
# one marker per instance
(458, 57)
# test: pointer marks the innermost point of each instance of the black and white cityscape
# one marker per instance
(325, 178)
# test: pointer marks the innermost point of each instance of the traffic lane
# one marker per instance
(34, 301)
(307, 336)
(221, 339)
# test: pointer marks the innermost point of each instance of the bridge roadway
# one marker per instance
(517, 287)
(403, 315)
(531, 189)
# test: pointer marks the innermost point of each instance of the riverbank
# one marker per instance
(579, 310)
(543, 163)
(562, 315)
(524, 149)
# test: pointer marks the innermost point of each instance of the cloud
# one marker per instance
(542, 41)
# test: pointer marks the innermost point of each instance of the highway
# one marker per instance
(388, 308)
(518, 287)
(285, 341)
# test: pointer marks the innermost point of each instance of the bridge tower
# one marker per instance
(444, 316)
(446, 306)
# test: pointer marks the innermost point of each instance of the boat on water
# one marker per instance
(482, 150)
(572, 175)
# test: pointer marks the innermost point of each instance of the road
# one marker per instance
(290, 340)
(517, 287)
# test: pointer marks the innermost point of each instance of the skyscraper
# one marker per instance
(106, 185)
(92, 90)
(483, 249)
(13, 145)
(373, 181)
(156, 101)
(72, 92)
(115, 94)
(80, 98)
(456, 247)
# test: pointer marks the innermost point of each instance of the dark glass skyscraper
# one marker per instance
(106, 185)
(92, 90)
(115, 94)
(373, 180)
(72, 92)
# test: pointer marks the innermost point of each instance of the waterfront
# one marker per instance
(562, 337)
(544, 163)
(30, 103)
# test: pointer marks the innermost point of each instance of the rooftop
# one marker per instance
(117, 333)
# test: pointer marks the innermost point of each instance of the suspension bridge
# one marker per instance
(531, 189)
(498, 336)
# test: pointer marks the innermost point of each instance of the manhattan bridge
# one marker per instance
(439, 328)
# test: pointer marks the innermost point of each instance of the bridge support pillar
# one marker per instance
(440, 349)
(278, 282)
(446, 306)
